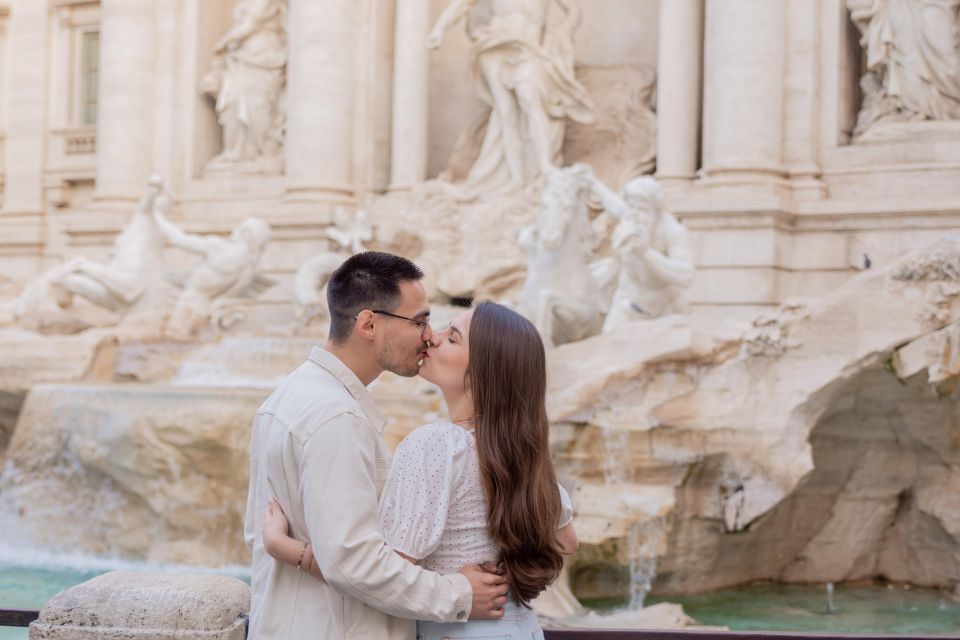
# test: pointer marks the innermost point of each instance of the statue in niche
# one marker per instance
(912, 52)
(248, 82)
(116, 287)
(213, 290)
(560, 295)
(654, 261)
(349, 234)
(523, 69)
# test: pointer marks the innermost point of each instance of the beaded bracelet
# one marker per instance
(302, 553)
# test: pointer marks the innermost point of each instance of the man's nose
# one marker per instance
(428, 335)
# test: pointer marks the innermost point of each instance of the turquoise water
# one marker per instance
(860, 609)
(767, 607)
(26, 588)
(781, 607)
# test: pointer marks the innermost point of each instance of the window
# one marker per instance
(89, 77)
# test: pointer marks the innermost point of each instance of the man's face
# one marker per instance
(401, 343)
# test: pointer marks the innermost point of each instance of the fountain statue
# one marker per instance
(560, 295)
(912, 69)
(349, 233)
(523, 69)
(136, 264)
(227, 272)
(247, 80)
(655, 261)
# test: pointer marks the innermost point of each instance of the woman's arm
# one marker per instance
(280, 546)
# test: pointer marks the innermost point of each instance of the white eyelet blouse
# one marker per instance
(433, 507)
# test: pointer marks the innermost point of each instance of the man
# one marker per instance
(317, 448)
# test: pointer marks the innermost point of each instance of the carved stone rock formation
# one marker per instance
(621, 143)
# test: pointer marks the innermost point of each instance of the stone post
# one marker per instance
(411, 65)
(126, 100)
(679, 81)
(147, 606)
(744, 70)
(26, 82)
(321, 77)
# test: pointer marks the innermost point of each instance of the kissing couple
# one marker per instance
(453, 536)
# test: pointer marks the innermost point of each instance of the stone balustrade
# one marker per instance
(156, 606)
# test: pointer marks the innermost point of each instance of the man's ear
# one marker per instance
(365, 324)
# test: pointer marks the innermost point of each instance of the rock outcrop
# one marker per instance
(818, 445)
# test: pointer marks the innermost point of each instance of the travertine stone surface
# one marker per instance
(147, 606)
(813, 446)
(147, 472)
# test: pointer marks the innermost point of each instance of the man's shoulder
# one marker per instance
(309, 398)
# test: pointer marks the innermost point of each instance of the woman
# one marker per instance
(480, 488)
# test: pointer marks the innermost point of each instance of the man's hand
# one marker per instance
(489, 592)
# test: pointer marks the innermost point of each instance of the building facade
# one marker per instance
(762, 137)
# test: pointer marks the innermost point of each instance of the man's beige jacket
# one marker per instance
(317, 447)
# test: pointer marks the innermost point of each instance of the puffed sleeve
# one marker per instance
(416, 498)
(566, 508)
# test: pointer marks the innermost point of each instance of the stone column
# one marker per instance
(321, 77)
(26, 85)
(411, 66)
(126, 101)
(744, 70)
(802, 79)
(679, 81)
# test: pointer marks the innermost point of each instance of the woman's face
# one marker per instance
(448, 356)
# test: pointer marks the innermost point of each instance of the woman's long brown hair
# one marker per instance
(507, 377)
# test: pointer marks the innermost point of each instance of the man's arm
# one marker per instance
(339, 495)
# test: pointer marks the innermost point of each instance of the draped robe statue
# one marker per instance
(912, 52)
(248, 80)
(523, 69)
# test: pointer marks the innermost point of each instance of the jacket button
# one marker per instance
(461, 615)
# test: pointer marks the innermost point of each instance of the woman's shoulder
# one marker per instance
(437, 435)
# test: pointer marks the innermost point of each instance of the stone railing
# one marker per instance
(80, 142)
(72, 152)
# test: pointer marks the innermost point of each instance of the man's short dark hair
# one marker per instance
(368, 280)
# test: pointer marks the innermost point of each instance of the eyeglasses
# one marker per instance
(423, 324)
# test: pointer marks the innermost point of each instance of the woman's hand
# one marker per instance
(275, 527)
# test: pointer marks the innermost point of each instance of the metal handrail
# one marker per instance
(18, 617)
(23, 618)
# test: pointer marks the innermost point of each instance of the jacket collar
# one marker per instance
(323, 358)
